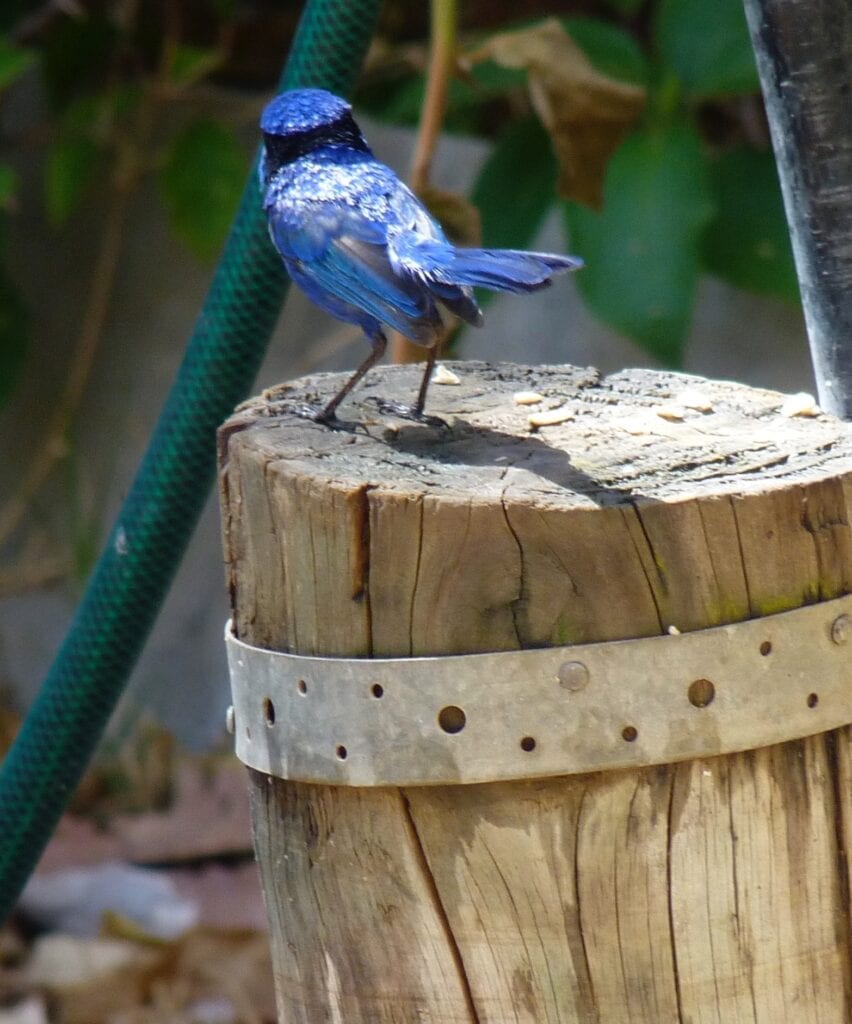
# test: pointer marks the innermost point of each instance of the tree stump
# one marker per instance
(709, 890)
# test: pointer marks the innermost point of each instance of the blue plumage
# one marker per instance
(359, 242)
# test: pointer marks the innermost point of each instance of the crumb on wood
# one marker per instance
(672, 413)
(441, 375)
(550, 417)
(800, 404)
(692, 398)
(527, 398)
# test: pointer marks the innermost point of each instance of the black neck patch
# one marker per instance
(284, 149)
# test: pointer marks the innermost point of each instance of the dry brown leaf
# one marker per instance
(586, 113)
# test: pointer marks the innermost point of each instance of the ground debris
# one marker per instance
(221, 975)
(178, 936)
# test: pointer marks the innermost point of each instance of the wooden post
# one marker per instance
(707, 891)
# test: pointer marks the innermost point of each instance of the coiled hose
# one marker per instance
(156, 521)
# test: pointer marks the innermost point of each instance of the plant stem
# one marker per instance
(442, 59)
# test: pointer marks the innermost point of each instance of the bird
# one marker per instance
(362, 246)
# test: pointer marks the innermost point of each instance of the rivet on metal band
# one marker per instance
(543, 712)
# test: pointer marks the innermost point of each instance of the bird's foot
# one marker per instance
(407, 412)
(320, 414)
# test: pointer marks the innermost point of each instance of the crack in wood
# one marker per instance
(633, 511)
(432, 888)
(515, 606)
(837, 750)
(589, 980)
(673, 774)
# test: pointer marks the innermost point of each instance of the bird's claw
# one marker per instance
(407, 412)
(319, 414)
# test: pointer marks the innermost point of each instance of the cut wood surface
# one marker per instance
(709, 891)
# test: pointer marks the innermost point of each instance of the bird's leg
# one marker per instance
(328, 413)
(379, 343)
(431, 356)
(415, 412)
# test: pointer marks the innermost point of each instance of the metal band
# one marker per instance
(536, 713)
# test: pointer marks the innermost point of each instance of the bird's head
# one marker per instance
(302, 120)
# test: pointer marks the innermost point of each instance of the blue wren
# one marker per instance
(361, 245)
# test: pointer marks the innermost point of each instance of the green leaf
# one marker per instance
(625, 7)
(401, 103)
(95, 114)
(397, 103)
(8, 184)
(708, 46)
(70, 167)
(747, 242)
(120, 101)
(612, 51)
(83, 114)
(225, 9)
(76, 56)
(493, 80)
(13, 62)
(190, 64)
(14, 326)
(201, 182)
(516, 186)
(642, 250)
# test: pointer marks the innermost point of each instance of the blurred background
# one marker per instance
(630, 132)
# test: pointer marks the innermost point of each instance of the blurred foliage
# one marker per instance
(656, 204)
(685, 184)
(100, 96)
(747, 242)
(117, 82)
(639, 119)
(709, 50)
(523, 156)
(203, 173)
(586, 111)
(14, 61)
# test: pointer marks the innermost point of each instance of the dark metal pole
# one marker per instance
(804, 56)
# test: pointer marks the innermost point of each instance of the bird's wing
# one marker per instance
(341, 242)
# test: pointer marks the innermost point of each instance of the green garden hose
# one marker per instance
(154, 525)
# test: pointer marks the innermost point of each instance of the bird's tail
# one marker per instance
(506, 270)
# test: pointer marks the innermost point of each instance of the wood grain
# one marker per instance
(361, 936)
(712, 891)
